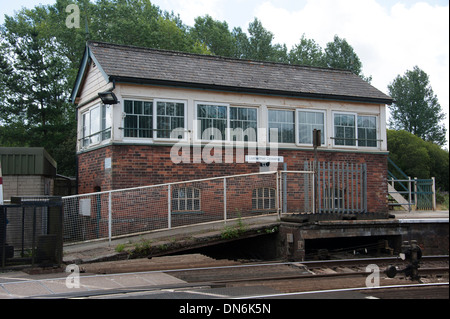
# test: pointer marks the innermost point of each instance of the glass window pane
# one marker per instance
(138, 107)
(128, 108)
(180, 109)
(161, 108)
(148, 108)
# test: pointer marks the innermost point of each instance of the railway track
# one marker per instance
(290, 277)
(212, 278)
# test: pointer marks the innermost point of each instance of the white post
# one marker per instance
(225, 200)
(409, 194)
(169, 208)
(109, 217)
(277, 197)
(433, 189)
(416, 198)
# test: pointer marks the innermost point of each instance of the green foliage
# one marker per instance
(234, 231)
(40, 57)
(307, 52)
(415, 102)
(418, 158)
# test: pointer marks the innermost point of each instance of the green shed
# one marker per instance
(27, 161)
(27, 171)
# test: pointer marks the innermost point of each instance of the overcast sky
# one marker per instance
(389, 36)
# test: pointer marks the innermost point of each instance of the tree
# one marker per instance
(35, 109)
(307, 52)
(40, 56)
(259, 46)
(416, 108)
(418, 158)
(215, 35)
(339, 54)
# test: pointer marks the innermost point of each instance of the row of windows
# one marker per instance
(187, 199)
(221, 122)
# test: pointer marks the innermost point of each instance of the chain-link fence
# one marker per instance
(131, 211)
(30, 231)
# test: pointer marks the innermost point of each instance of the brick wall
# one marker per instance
(139, 165)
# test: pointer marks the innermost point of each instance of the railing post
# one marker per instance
(416, 197)
(285, 189)
(409, 194)
(109, 217)
(225, 199)
(433, 190)
(169, 208)
(277, 197)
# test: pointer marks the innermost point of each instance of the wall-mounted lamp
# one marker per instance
(108, 97)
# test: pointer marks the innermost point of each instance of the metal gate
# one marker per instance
(339, 187)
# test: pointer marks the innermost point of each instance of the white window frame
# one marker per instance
(297, 125)
(227, 139)
(137, 138)
(198, 121)
(155, 120)
(86, 126)
(377, 132)
(355, 127)
(229, 129)
(356, 115)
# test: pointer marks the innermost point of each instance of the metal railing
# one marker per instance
(413, 193)
(410, 193)
(115, 213)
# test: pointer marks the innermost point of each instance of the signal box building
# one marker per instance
(176, 116)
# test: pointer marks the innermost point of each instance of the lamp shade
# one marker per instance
(108, 97)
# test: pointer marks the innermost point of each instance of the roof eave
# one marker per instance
(297, 94)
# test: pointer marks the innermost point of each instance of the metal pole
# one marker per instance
(225, 200)
(277, 198)
(169, 208)
(409, 194)
(109, 217)
(433, 189)
(285, 189)
(416, 197)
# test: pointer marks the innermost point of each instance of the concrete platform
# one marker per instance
(16, 285)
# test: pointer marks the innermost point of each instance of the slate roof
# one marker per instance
(149, 66)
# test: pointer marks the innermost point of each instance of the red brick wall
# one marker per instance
(139, 165)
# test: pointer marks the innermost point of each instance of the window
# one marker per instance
(185, 199)
(344, 129)
(244, 124)
(139, 119)
(169, 117)
(367, 131)
(349, 128)
(96, 125)
(263, 198)
(284, 121)
(307, 122)
(333, 199)
(215, 119)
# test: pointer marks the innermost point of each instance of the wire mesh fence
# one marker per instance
(114, 213)
(30, 231)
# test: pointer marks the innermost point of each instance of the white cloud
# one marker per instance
(189, 10)
(388, 40)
